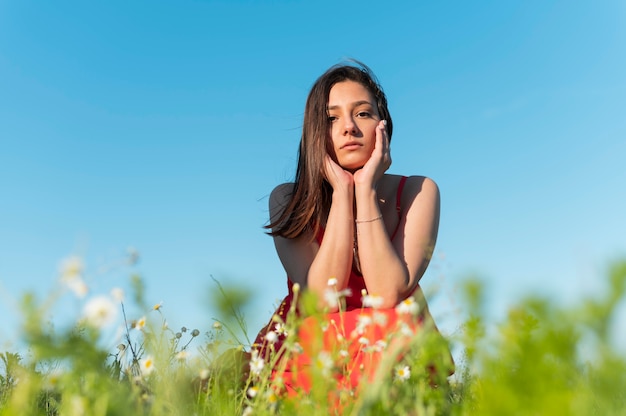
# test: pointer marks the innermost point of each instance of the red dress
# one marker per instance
(350, 342)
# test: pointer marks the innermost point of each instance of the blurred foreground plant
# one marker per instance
(543, 359)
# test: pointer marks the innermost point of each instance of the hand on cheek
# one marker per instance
(379, 161)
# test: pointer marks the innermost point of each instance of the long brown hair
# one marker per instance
(311, 196)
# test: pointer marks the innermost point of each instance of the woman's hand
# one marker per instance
(379, 161)
(339, 178)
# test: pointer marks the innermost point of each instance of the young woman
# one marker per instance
(357, 237)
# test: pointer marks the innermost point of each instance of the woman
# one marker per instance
(358, 238)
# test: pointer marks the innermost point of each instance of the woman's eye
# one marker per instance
(332, 118)
(363, 114)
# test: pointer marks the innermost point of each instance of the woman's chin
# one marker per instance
(352, 167)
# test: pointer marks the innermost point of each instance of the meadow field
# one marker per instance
(542, 359)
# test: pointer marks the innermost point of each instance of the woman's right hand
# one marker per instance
(339, 178)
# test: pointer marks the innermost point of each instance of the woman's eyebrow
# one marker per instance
(354, 104)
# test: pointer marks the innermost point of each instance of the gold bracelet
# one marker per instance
(372, 220)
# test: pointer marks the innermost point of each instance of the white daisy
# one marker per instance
(271, 337)
(140, 323)
(408, 306)
(372, 301)
(324, 362)
(252, 391)
(256, 363)
(147, 366)
(117, 294)
(363, 321)
(402, 373)
(100, 311)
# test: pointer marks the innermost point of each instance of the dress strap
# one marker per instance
(399, 195)
(399, 204)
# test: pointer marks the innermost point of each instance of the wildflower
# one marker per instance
(332, 282)
(380, 345)
(195, 333)
(372, 301)
(147, 366)
(182, 355)
(140, 323)
(271, 337)
(256, 363)
(406, 330)
(295, 288)
(364, 341)
(71, 267)
(363, 321)
(379, 318)
(252, 391)
(99, 311)
(324, 362)
(280, 329)
(247, 411)
(78, 286)
(71, 271)
(204, 374)
(158, 306)
(402, 373)
(271, 398)
(117, 294)
(343, 353)
(217, 325)
(408, 306)
(332, 297)
(53, 379)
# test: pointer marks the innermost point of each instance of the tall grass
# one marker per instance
(542, 359)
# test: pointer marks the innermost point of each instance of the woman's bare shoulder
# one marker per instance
(415, 185)
(282, 192)
(415, 182)
(279, 199)
(422, 183)
(422, 189)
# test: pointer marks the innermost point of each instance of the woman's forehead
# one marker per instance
(349, 92)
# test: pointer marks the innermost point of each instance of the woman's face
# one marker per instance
(353, 116)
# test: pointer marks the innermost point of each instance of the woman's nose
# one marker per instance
(350, 126)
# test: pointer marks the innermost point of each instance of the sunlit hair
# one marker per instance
(311, 196)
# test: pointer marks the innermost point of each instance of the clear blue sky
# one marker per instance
(165, 125)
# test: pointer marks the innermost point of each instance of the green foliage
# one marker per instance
(542, 359)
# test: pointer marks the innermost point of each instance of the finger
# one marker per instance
(379, 144)
(385, 136)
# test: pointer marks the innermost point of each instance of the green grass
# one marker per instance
(542, 359)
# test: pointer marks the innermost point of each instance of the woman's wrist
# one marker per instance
(365, 192)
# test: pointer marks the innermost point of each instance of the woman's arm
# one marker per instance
(392, 269)
(305, 261)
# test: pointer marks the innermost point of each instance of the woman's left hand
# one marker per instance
(379, 161)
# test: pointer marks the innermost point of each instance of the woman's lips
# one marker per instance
(351, 146)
